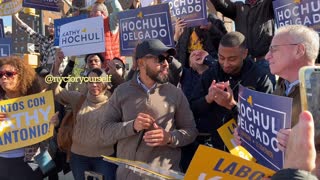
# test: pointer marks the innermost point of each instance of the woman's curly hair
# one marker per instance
(27, 79)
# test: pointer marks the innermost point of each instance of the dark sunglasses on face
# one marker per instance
(8, 74)
(161, 59)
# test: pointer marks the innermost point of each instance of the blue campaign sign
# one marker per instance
(59, 22)
(304, 12)
(5, 47)
(260, 117)
(194, 12)
(1, 28)
(151, 22)
(50, 5)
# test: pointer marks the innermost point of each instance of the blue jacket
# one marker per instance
(209, 117)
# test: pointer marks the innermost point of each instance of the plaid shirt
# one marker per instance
(47, 50)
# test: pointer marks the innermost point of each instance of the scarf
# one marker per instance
(97, 101)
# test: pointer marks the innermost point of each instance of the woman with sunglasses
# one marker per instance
(17, 79)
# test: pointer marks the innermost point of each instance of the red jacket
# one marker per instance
(112, 43)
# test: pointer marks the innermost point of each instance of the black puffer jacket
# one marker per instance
(209, 117)
(255, 22)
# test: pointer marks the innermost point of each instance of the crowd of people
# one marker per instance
(172, 99)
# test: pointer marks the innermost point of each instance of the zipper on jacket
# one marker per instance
(141, 133)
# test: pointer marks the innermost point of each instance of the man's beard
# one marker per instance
(156, 76)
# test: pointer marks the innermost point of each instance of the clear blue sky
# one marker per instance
(6, 20)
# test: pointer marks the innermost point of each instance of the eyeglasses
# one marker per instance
(272, 47)
(161, 58)
(8, 74)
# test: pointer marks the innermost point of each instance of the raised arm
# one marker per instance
(61, 95)
(114, 21)
(39, 38)
(226, 7)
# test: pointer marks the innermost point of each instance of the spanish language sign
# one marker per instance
(59, 22)
(50, 5)
(210, 164)
(260, 118)
(5, 47)
(193, 12)
(82, 37)
(305, 12)
(151, 22)
(226, 134)
(9, 7)
(27, 122)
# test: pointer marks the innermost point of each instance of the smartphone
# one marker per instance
(309, 77)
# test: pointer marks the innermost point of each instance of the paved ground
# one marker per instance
(66, 177)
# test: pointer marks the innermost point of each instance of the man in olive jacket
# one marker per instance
(147, 117)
